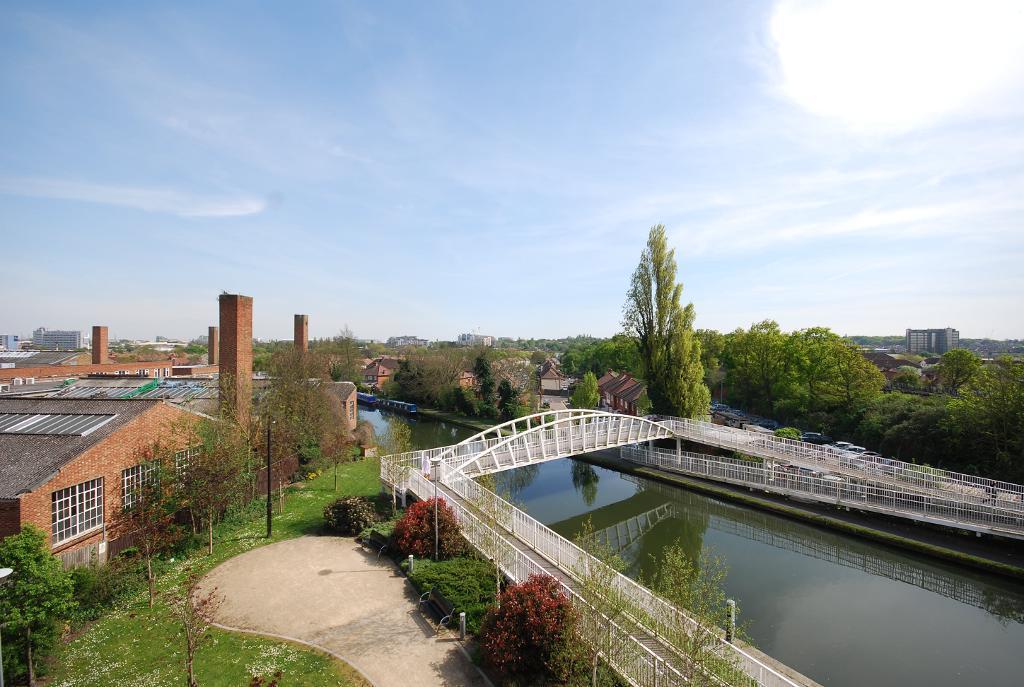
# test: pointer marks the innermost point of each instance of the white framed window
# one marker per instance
(132, 480)
(76, 510)
(182, 459)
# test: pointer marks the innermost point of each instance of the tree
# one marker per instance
(586, 395)
(584, 480)
(605, 603)
(759, 363)
(958, 367)
(669, 353)
(988, 415)
(193, 610)
(396, 441)
(697, 588)
(298, 402)
(212, 477)
(485, 385)
(508, 400)
(36, 599)
(148, 507)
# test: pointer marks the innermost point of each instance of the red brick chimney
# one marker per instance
(213, 346)
(236, 355)
(100, 346)
(302, 333)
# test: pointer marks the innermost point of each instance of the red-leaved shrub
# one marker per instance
(526, 637)
(414, 532)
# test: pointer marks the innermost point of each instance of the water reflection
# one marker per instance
(842, 610)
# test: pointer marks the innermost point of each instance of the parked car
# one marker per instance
(855, 449)
(815, 438)
(842, 445)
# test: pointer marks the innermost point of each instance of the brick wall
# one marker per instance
(155, 368)
(106, 459)
(10, 517)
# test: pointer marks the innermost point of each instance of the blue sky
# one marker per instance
(434, 168)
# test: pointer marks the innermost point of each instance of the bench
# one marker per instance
(376, 541)
(442, 606)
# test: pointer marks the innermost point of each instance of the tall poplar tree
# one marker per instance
(670, 354)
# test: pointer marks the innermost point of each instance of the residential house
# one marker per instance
(467, 379)
(379, 372)
(551, 379)
(621, 392)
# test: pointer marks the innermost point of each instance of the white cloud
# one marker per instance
(157, 200)
(895, 65)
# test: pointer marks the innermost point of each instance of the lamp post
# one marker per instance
(4, 574)
(435, 463)
(270, 502)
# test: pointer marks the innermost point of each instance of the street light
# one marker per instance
(4, 574)
(435, 462)
(270, 503)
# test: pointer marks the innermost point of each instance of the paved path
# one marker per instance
(330, 592)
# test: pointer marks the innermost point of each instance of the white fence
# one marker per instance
(864, 495)
(658, 618)
(963, 486)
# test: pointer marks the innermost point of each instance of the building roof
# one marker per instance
(39, 358)
(551, 373)
(28, 460)
(622, 386)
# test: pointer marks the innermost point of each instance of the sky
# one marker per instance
(448, 167)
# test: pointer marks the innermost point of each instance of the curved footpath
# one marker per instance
(330, 593)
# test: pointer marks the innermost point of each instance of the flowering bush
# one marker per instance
(526, 637)
(350, 515)
(414, 533)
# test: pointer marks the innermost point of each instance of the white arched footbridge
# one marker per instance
(522, 546)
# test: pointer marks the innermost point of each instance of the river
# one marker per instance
(842, 610)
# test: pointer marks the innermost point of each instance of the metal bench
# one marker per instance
(442, 606)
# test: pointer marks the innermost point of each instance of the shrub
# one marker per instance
(525, 638)
(467, 582)
(414, 532)
(789, 433)
(350, 515)
(98, 587)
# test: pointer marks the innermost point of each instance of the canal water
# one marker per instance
(843, 611)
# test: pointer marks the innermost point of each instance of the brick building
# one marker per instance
(379, 372)
(621, 392)
(345, 392)
(65, 465)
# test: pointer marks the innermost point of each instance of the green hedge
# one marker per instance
(467, 582)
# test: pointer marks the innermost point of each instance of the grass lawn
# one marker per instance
(135, 645)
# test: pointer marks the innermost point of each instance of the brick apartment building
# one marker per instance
(65, 465)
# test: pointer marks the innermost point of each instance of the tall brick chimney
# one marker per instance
(236, 355)
(100, 345)
(213, 346)
(302, 333)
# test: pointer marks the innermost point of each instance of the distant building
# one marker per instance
(9, 342)
(57, 339)
(379, 371)
(475, 340)
(406, 340)
(932, 340)
(551, 378)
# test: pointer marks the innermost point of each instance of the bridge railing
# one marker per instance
(658, 616)
(968, 486)
(864, 495)
(641, 666)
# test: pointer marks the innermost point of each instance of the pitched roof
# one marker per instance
(551, 373)
(28, 460)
